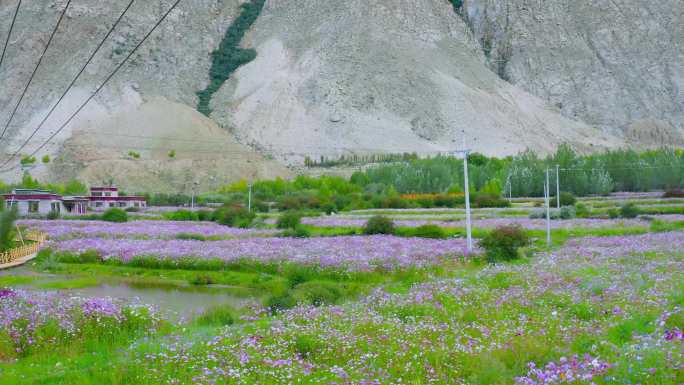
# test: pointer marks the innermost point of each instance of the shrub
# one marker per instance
(613, 213)
(115, 215)
(190, 237)
(566, 199)
(289, 220)
(204, 215)
(52, 215)
(567, 212)
(234, 216)
(7, 227)
(202, 280)
(318, 293)
(182, 215)
(629, 210)
(489, 200)
(581, 210)
(429, 231)
(503, 243)
(297, 232)
(221, 315)
(379, 225)
(132, 209)
(281, 302)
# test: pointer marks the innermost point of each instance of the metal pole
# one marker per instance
(548, 209)
(249, 198)
(466, 188)
(558, 203)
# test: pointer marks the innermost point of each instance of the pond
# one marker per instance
(176, 302)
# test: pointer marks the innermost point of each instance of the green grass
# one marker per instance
(76, 283)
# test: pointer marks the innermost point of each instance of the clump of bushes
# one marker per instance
(202, 280)
(181, 215)
(629, 210)
(53, 215)
(567, 212)
(289, 220)
(379, 224)
(613, 213)
(115, 215)
(582, 211)
(234, 216)
(490, 200)
(566, 199)
(317, 293)
(297, 232)
(221, 315)
(429, 231)
(504, 242)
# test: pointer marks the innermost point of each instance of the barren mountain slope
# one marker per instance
(616, 64)
(335, 77)
(392, 75)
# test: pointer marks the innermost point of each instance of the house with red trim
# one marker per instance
(39, 203)
(102, 198)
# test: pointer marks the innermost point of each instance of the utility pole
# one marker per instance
(192, 199)
(249, 198)
(466, 188)
(548, 209)
(558, 202)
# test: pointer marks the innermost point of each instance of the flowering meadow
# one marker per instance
(40, 322)
(490, 223)
(358, 253)
(596, 311)
(70, 229)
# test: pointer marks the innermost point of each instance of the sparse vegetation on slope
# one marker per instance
(229, 56)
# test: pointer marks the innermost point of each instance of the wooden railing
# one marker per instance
(37, 240)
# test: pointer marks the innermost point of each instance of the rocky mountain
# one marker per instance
(284, 79)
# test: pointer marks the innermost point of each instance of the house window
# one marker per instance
(136, 204)
(111, 204)
(108, 194)
(10, 204)
(122, 204)
(97, 194)
(33, 206)
(98, 204)
(55, 207)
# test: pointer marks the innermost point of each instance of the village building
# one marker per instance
(40, 203)
(102, 198)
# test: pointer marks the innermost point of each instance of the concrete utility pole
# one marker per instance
(548, 209)
(249, 198)
(558, 202)
(192, 198)
(469, 231)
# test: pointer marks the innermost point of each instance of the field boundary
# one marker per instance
(22, 254)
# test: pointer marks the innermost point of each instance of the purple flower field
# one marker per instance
(489, 223)
(596, 311)
(36, 320)
(351, 252)
(62, 229)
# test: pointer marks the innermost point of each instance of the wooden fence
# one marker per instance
(37, 240)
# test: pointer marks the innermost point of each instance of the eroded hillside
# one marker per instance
(315, 78)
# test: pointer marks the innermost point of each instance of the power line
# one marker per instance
(40, 60)
(72, 83)
(9, 34)
(111, 75)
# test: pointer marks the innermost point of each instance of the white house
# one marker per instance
(102, 198)
(33, 202)
(39, 203)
